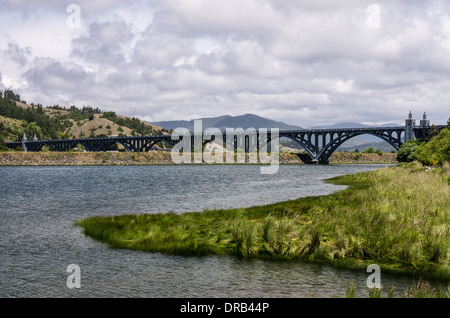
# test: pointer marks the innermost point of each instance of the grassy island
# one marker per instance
(396, 217)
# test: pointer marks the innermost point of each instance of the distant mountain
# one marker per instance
(189, 124)
(355, 141)
(381, 145)
(243, 121)
(352, 125)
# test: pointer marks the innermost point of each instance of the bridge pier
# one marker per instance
(319, 162)
(306, 159)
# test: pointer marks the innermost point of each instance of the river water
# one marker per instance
(38, 238)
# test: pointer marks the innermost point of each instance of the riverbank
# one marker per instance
(156, 158)
(395, 217)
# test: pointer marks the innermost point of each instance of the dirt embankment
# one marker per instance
(155, 158)
(348, 157)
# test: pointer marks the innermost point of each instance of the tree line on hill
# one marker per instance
(34, 120)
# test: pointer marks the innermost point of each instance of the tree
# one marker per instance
(2, 140)
(369, 150)
(407, 151)
(9, 94)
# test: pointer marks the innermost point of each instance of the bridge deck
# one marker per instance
(318, 143)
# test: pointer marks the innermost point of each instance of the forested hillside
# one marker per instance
(55, 122)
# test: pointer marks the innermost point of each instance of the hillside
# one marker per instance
(381, 145)
(436, 151)
(55, 122)
(98, 125)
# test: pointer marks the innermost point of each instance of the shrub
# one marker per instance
(3, 144)
(436, 151)
(3, 147)
(407, 151)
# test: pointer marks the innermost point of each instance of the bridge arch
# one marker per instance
(36, 147)
(74, 144)
(300, 142)
(109, 142)
(326, 151)
(151, 143)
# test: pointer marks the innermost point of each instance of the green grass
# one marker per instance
(420, 289)
(396, 217)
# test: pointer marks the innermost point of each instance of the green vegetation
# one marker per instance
(136, 125)
(423, 289)
(56, 122)
(420, 289)
(41, 124)
(2, 139)
(76, 114)
(387, 217)
(407, 151)
(9, 94)
(435, 152)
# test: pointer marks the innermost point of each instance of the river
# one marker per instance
(39, 205)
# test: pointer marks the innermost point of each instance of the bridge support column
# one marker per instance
(409, 124)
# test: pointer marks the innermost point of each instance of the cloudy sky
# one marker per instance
(305, 63)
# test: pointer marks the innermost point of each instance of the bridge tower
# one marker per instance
(424, 122)
(409, 124)
(24, 140)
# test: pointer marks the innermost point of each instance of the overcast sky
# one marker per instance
(305, 63)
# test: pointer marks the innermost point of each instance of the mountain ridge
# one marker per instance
(226, 121)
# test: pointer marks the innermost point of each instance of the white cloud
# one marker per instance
(303, 62)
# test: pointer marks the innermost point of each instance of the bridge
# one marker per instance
(319, 144)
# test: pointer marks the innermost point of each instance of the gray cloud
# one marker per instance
(103, 44)
(302, 62)
(19, 55)
(52, 77)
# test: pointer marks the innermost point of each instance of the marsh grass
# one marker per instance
(350, 292)
(423, 289)
(396, 217)
(420, 289)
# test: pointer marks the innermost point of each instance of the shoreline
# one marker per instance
(346, 229)
(161, 158)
